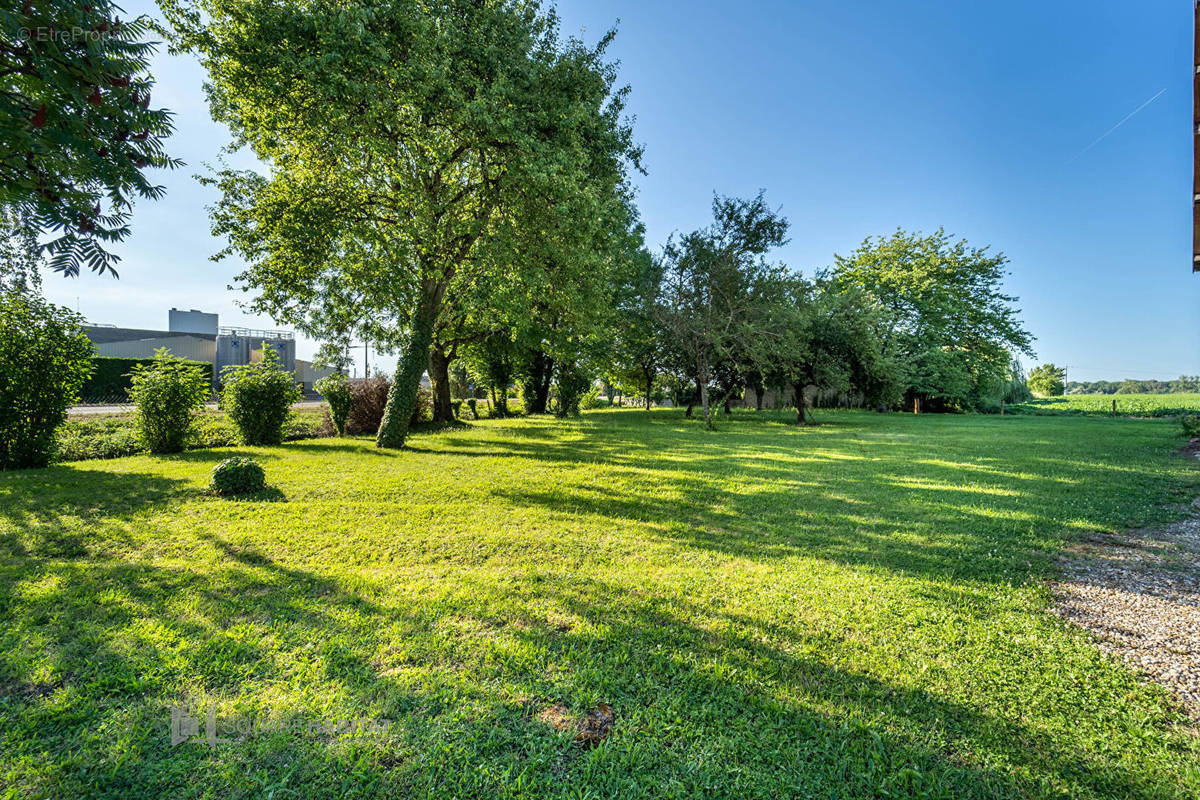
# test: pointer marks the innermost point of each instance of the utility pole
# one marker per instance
(366, 365)
(1196, 142)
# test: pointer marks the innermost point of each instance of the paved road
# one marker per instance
(83, 411)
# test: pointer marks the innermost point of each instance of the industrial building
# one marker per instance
(199, 336)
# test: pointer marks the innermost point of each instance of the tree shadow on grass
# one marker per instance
(708, 702)
(61, 510)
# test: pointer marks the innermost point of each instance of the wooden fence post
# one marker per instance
(1114, 411)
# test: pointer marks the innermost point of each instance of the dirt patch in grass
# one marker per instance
(1139, 594)
(589, 730)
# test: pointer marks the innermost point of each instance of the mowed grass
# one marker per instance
(1133, 405)
(855, 609)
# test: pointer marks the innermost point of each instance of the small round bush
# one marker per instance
(258, 399)
(336, 391)
(238, 475)
(1191, 425)
(168, 393)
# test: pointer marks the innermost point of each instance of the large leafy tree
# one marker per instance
(638, 348)
(78, 130)
(1048, 380)
(826, 340)
(408, 143)
(942, 314)
(712, 305)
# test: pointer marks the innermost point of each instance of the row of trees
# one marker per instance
(1182, 384)
(904, 319)
(451, 181)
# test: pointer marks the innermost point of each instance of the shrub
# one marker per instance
(336, 391)
(572, 384)
(44, 360)
(368, 399)
(590, 399)
(258, 398)
(1191, 425)
(423, 410)
(237, 475)
(168, 392)
(456, 408)
(471, 401)
(81, 438)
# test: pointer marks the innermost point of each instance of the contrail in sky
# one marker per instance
(1124, 119)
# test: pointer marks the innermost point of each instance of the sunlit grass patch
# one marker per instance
(855, 609)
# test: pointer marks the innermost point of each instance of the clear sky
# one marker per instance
(855, 118)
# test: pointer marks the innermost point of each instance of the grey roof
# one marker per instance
(100, 334)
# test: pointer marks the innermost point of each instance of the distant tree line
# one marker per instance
(1182, 384)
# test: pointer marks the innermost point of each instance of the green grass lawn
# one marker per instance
(1134, 405)
(855, 609)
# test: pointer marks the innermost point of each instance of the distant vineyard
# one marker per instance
(1128, 405)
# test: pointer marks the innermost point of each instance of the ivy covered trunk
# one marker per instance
(439, 376)
(414, 360)
(537, 385)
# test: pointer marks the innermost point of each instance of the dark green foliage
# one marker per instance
(572, 383)
(941, 315)
(422, 407)
(238, 475)
(168, 392)
(471, 402)
(44, 360)
(258, 398)
(78, 128)
(711, 313)
(456, 408)
(336, 391)
(1182, 384)
(368, 399)
(1191, 425)
(109, 381)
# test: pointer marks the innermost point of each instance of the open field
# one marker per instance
(1133, 405)
(855, 609)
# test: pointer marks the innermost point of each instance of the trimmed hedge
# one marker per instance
(109, 382)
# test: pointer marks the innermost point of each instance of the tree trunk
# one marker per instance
(439, 375)
(414, 360)
(703, 380)
(649, 386)
(798, 389)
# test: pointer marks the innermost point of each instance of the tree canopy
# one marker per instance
(414, 148)
(942, 315)
(1048, 380)
(78, 130)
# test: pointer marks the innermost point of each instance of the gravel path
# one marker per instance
(1139, 593)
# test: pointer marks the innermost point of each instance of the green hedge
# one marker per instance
(110, 378)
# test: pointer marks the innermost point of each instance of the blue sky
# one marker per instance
(855, 118)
